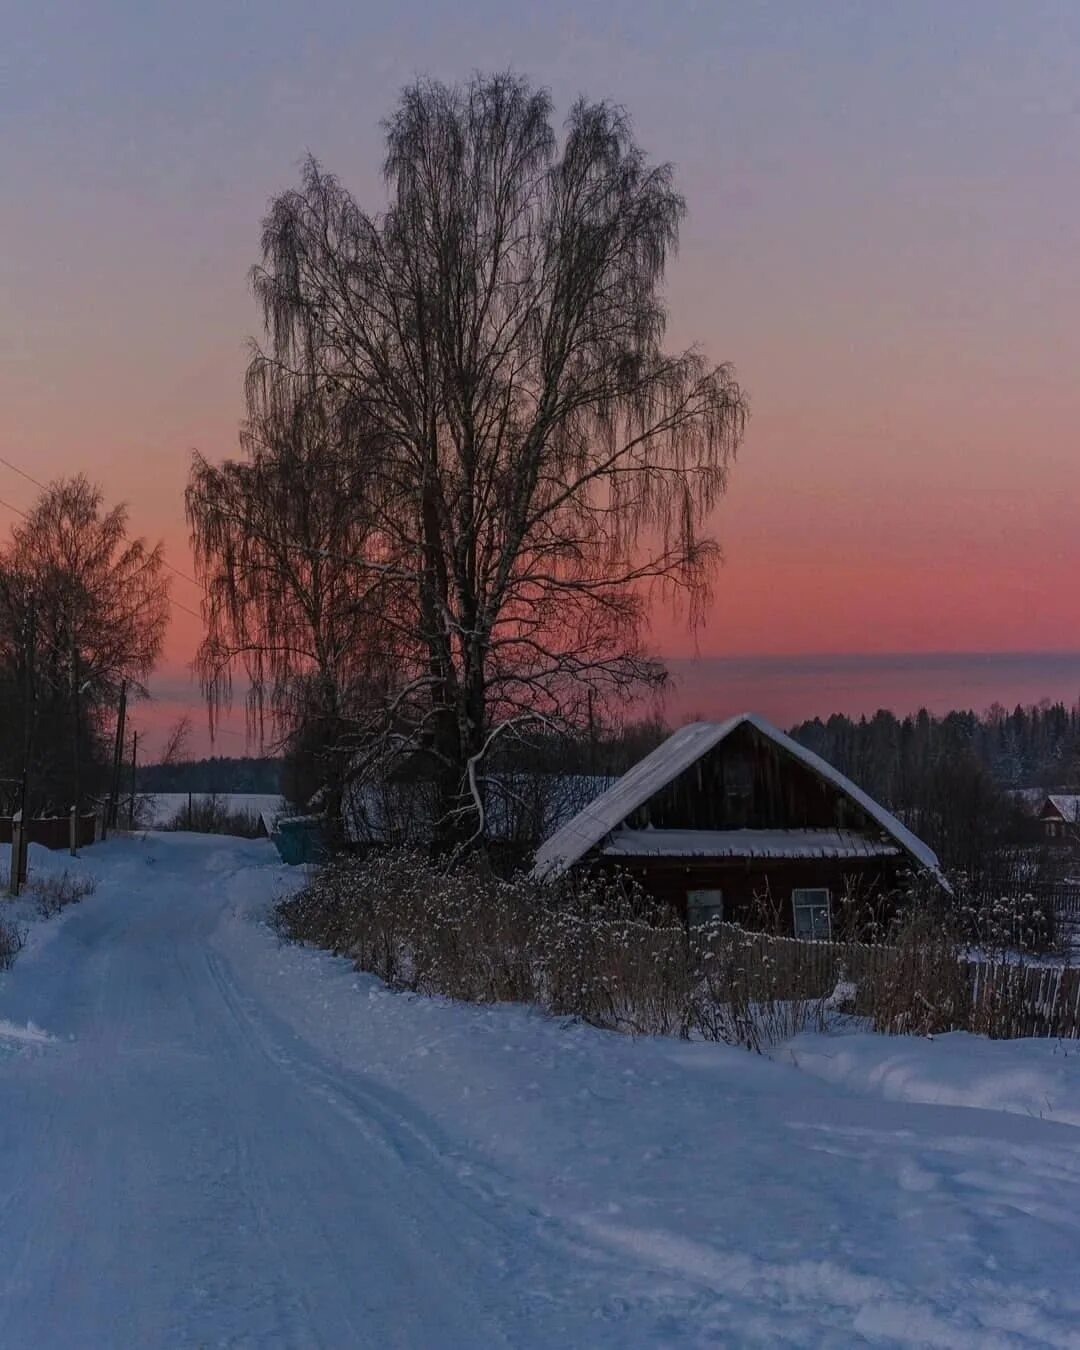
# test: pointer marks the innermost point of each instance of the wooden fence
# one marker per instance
(53, 831)
(1066, 902)
(912, 988)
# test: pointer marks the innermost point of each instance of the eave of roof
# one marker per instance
(1067, 805)
(790, 844)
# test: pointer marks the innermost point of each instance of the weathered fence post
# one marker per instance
(73, 832)
(16, 854)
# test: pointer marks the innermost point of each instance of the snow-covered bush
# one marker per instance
(754, 990)
(54, 892)
(593, 947)
(922, 986)
(11, 943)
(214, 815)
(597, 948)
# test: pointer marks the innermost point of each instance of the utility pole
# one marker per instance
(134, 762)
(20, 842)
(112, 815)
(76, 759)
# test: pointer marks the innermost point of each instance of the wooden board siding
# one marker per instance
(746, 883)
(747, 782)
(53, 831)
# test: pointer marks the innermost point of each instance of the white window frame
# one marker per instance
(821, 898)
(700, 911)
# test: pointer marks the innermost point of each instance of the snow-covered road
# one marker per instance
(214, 1140)
(178, 1169)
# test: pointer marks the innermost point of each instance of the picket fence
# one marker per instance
(901, 988)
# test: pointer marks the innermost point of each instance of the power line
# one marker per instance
(175, 603)
(184, 575)
(38, 483)
(22, 473)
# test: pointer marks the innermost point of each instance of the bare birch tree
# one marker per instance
(279, 537)
(532, 468)
(100, 603)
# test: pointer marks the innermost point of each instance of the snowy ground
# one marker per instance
(161, 808)
(208, 1139)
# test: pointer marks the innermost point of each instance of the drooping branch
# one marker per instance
(505, 463)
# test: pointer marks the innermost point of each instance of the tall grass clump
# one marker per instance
(596, 948)
(12, 939)
(53, 893)
(593, 947)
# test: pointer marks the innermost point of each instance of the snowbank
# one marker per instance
(1035, 1078)
(22, 913)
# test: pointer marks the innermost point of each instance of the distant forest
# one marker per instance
(950, 777)
(220, 773)
(1036, 746)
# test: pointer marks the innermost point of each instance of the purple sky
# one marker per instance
(882, 237)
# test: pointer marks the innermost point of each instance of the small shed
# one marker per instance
(728, 819)
(301, 839)
(1059, 815)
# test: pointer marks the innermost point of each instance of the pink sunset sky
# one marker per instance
(882, 237)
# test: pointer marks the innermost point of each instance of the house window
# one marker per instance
(704, 907)
(813, 919)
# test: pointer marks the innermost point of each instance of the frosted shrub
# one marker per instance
(923, 986)
(593, 947)
(1024, 923)
(11, 943)
(752, 990)
(214, 815)
(54, 893)
(465, 933)
(609, 954)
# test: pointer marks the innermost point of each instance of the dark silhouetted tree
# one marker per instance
(100, 610)
(528, 467)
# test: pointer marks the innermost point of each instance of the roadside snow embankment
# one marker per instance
(24, 916)
(1036, 1078)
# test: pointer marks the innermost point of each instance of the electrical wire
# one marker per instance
(38, 483)
(165, 562)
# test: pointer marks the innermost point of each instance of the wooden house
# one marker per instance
(734, 820)
(1059, 816)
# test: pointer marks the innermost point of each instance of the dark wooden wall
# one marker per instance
(748, 782)
(754, 889)
(53, 831)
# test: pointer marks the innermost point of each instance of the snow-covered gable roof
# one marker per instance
(685, 747)
(1066, 804)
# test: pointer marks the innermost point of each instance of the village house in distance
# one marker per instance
(724, 818)
(1059, 815)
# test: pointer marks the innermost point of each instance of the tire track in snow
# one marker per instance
(450, 1187)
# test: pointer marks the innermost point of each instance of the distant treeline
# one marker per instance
(948, 777)
(219, 773)
(1037, 746)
